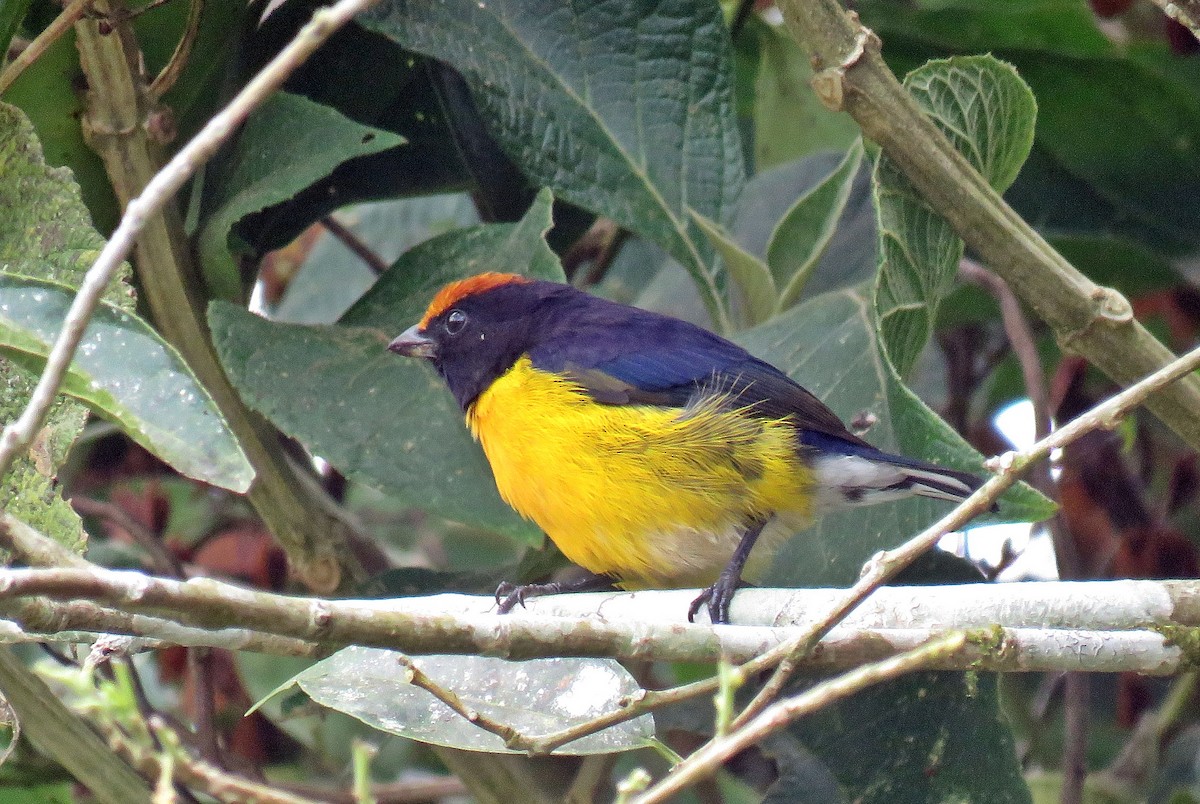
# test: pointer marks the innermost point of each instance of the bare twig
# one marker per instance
(1185, 12)
(61, 24)
(1020, 337)
(161, 559)
(708, 759)
(352, 241)
(886, 564)
(416, 676)
(196, 773)
(1074, 754)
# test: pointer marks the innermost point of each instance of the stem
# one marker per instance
(1096, 322)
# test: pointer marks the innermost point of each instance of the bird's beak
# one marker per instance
(412, 343)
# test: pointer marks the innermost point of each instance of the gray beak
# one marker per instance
(412, 343)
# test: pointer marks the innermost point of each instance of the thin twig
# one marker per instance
(708, 759)
(886, 564)
(1075, 728)
(18, 435)
(407, 791)
(352, 241)
(1020, 337)
(161, 559)
(418, 677)
(61, 24)
(1185, 12)
(200, 666)
(166, 79)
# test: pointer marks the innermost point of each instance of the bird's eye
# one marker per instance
(455, 321)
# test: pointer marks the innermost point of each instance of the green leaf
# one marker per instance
(333, 277)
(1055, 26)
(377, 417)
(828, 345)
(287, 144)
(850, 257)
(1113, 150)
(634, 114)
(126, 372)
(12, 13)
(988, 113)
(789, 120)
(535, 697)
(47, 90)
(805, 231)
(917, 739)
(45, 230)
(1127, 131)
(748, 272)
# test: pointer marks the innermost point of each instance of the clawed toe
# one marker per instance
(508, 595)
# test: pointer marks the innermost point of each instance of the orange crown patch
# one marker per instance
(448, 296)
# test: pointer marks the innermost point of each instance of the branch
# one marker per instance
(1096, 322)
(708, 759)
(309, 535)
(1100, 626)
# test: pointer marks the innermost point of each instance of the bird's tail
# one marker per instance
(860, 475)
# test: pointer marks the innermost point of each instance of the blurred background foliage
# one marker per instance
(664, 154)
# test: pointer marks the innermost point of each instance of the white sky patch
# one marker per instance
(590, 690)
(1035, 560)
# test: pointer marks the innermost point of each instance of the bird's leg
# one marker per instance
(720, 594)
(508, 595)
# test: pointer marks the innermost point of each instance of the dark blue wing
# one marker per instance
(623, 355)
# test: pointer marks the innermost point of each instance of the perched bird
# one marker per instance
(653, 452)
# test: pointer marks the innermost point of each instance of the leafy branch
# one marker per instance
(1093, 321)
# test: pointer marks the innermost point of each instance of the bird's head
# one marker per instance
(475, 329)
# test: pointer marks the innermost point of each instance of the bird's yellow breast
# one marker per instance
(652, 495)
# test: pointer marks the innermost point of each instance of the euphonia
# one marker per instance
(651, 451)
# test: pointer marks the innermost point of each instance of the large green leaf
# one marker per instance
(126, 372)
(624, 109)
(914, 740)
(805, 231)
(369, 79)
(379, 418)
(535, 697)
(988, 112)
(287, 144)
(1113, 150)
(123, 369)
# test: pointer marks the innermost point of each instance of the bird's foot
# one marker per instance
(717, 599)
(510, 595)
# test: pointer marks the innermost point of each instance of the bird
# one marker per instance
(653, 452)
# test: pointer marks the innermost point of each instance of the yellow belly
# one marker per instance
(654, 496)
